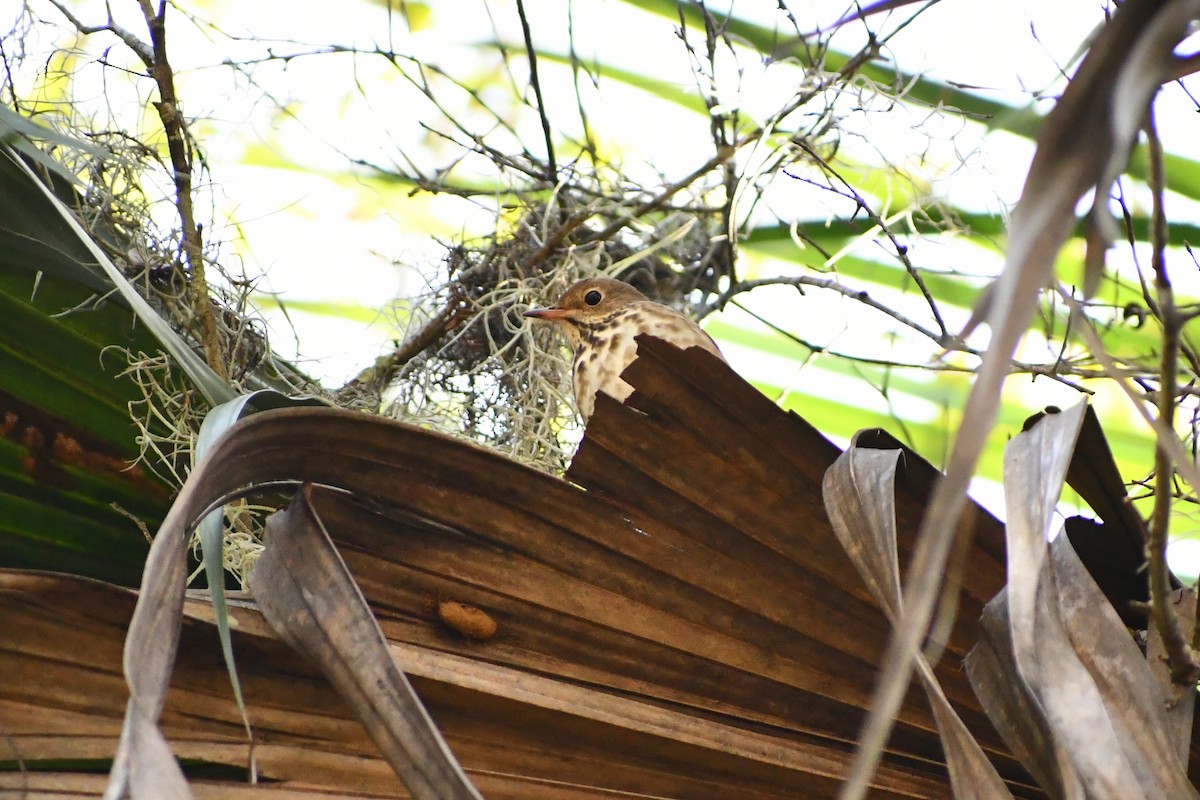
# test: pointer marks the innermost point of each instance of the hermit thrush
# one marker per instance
(601, 317)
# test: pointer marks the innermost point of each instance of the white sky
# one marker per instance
(298, 225)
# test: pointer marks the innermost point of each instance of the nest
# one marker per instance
(497, 380)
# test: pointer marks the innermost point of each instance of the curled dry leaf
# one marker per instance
(307, 595)
(859, 492)
(1057, 671)
(1083, 145)
(344, 451)
(1012, 708)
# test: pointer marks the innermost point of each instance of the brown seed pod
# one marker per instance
(468, 620)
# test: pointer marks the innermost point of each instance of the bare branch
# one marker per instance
(1184, 665)
(900, 249)
(135, 44)
(182, 163)
(551, 168)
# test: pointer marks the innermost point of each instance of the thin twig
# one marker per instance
(1056, 371)
(132, 42)
(900, 249)
(1182, 659)
(589, 141)
(175, 128)
(1086, 327)
(723, 125)
(663, 196)
(380, 374)
(551, 168)
(861, 295)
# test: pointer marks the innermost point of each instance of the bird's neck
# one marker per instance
(602, 327)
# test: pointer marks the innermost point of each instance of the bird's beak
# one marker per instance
(551, 314)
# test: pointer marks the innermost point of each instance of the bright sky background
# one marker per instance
(317, 235)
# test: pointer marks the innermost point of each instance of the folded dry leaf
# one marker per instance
(1012, 708)
(1083, 145)
(310, 600)
(1057, 671)
(859, 492)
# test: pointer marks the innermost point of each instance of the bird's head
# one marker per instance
(586, 302)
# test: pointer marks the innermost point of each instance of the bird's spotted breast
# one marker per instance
(603, 335)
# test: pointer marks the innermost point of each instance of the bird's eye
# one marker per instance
(593, 298)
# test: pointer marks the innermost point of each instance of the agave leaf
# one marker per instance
(68, 486)
(32, 231)
(16, 130)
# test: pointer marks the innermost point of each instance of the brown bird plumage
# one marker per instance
(601, 317)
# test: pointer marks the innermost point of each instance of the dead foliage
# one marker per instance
(1083, 147)
(678, 618)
